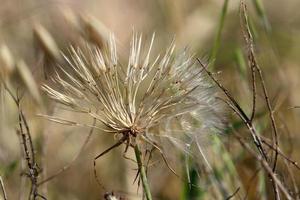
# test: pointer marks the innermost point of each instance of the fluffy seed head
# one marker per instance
(168, 91)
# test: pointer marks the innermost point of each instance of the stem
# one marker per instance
(3, 189)
(142, 172)
(217, 39)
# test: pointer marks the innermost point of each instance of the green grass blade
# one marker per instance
(240, 62)
(259, 7)
(217, 40)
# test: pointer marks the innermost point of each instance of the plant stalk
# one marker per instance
(142, 172)
(217, 39)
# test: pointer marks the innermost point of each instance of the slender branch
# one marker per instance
(254, 65)
(233, 104)
(289, 160)
(142, 171)
(29, 136)
(250, 182)
(66, 167)
(291, 173)
(251, 61)
(156, 146)
(24, 133)
(267, 168)
(234, 194)
(121, 141)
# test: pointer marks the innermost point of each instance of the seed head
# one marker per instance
(169, 91)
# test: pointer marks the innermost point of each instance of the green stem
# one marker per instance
(262, 14)
(217, 40)
(142, 172)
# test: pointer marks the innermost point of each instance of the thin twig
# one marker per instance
(287, 132)
(249, 41)
(33, 170)
(289, 160)
(3, 189)
(252, 178)
(156, 146)
(248, 38)
(267, 168)
(28, 148)
(254, 64)
(66, 167)
(121, 141)
(29, 136)
(239, 111)
(232, 195)
(296, 189)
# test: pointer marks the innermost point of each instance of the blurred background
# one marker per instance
(32, 34)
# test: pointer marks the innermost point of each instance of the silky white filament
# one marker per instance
(168, 91)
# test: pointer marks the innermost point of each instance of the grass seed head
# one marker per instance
(6, 61)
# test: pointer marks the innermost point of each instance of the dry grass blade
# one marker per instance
(71, 18)
(47, 43)
(262, 14)
(94, 30)
(7, 62)
(28, 80)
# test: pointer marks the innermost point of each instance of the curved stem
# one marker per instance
(142, 172)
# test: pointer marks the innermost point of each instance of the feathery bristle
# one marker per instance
(170, 89)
